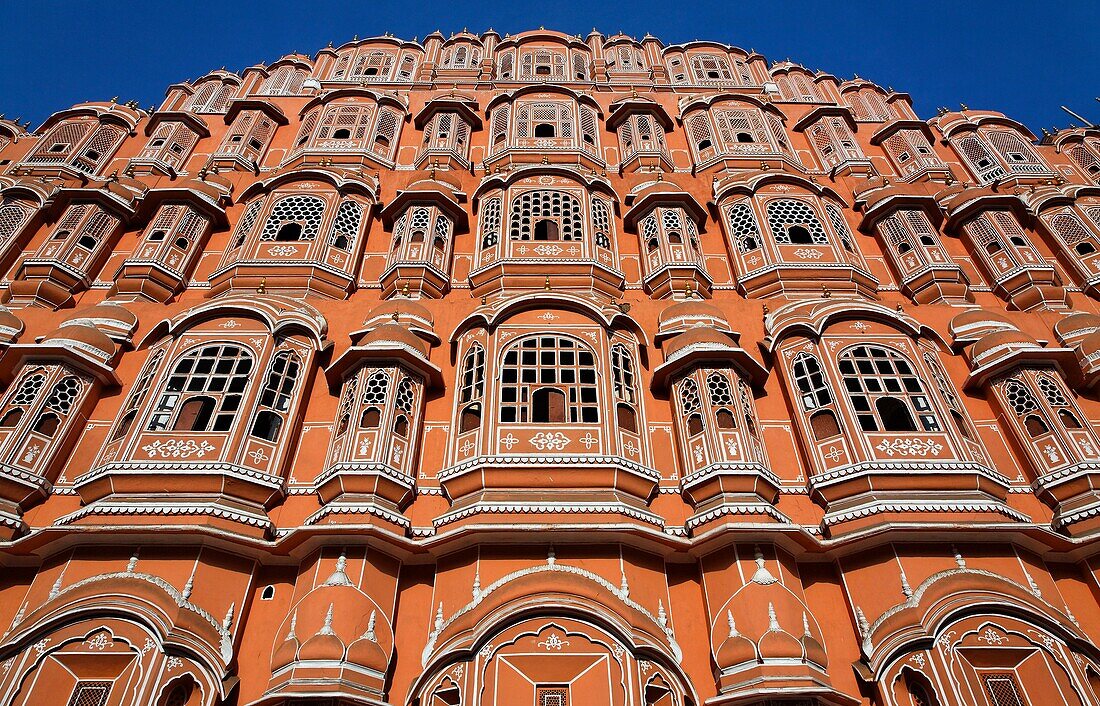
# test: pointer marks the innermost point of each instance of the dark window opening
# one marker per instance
(341, 242)
(542, 70)
(1069, 421)
(544, 130)
(181, 243)
(1035, 426)
(267, 425)
(961, 425)
(342, 134)
(289, 232)
(1084, 248)
(11, 418)
(694, 425)
(548, 406)
(87, 242)
(471, 419)
(268, 594)
(401, 426)
(799, 235)
(370, 418)
(725, 420)
(704, 144)
(628, 420)
(745, 137)
(894, 414)
(546, 230)
(123, 426)
(47, 424)
(157, 235)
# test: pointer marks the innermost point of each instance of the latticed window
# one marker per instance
(1002, 690)
(499, 128)
(810, 379)
(345, 122)
(641, 133)
(461, 57)
(375, 391)
(1055, 395)
(172, 233)
(277, 395)
(79, 234)
(690, 406)
(702, 139)
(471, 388)
(211, 97)
(885, 391)
(90, 693)
(794, 222)
(284, 81)
(722, 400)
(601, 223)
(84, 144)
(204, 390)
(1087, 156)
(490, 222)
(840, 226)
(625, 58)
(542, 63)
(137, 396)
(385, 133)
(549, 379)
(249, 135)
(1020, 156)
(999, 234)
(743, 228)
(171, 143)
(345, 227)
(1074, 233)
(544, 120)
(376, 65)
(247, 222)
(546, 215)
(834, 142)
(622, 374)
(710, 68)
(507, 62)
(13, 215)
(867, 105)
(552, 696)
(294, 218)
(980, 158)
(25, 395)
(742, 130)
(910, 151)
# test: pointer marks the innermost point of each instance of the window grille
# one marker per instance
(719, 390)
(374, 65)
(1074, 233)
(13, 215)
(376, 387)
(248, 220)
(580, 67)
(742, 131)
(531, 206)
(345, 227)
(548, 696)
(28, 390)
(137, 395)
(1002, 690)
(601, 223)
(506, 63)
(1086, 160)
(385, 134)
(63, 395)
(404, 398)
(103, 143)
(306, 130)
(59, 143)
(743, 227)
(340, 70)
(689, 397)
(810, 380)
(785, 215)
(542, 63)
(840, 225)
(710, 68)
(589, 136)
(1020, 398)
(544, 120)
(276, 395)
(885, 392)
(344, 122)
(1052, 391)
(500, 128)
(549, 379)
(1017, 154)
(701, 137)
(472, 385)
(778, 133)
(305, 212)
(285, 81)
(490, 223)
(981, 160)
(405, 71)
(90, 693)
(208, 384)
(622, 373)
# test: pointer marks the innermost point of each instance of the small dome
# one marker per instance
(83, 337)
(366, 652)
(735, 649)
(110, 317)
(995, 346)
(814, 651)
(285, 653)
(708, 338)
(1075, 327)
(390, 335)
(779, 644)
(11, 326)
(405, 312)
(325, 645)
(690, 314)
(971, 325)
(1089, 346)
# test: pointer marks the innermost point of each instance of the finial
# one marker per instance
(551, 557)
(190, 585)
(731, 623)
(439, 618)
(1032, 585)
(326, 629)
(958, 557)
(339, 577)
(476, 590)
(262, 289)
(806, 625)
(369, 634)
(405, 289)
(624, 587)
(825, 293)
(546, 284)
(114, 99)
(227, 622)
(762, 575)
(861, 620)
(293, 635)
(900, 308)
(767, 309)
(55, 590)
(773, 621)
(906, 590)
(662, 616)
(964, 106)
(132, 564)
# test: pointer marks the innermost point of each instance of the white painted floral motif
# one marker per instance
(149, 644)
(174, 448)
(173, 663)
(40, 646)
(553, 642)
(834, 454)
(507, 442)
(546, 250)
(990, 637)
(32, 453)
(808, 254)
(731, 446)
(909, 447)
(917, 659)
(99, 642)
(1052, 454)
(549, 440)
(258, 456)
(630, 448)
(282, 250)
(547, 316)
(589, 441)
(230, 324)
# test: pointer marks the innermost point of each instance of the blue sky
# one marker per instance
(1024, 59)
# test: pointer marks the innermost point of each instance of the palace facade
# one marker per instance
(547, 370)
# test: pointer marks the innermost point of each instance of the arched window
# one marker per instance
(490, 223)
(981, 159)
(815, 395)
(710, 68)
(561, 212)
(545, 120)
(1025, 407)
(204, 390)
(690, 407)
(622, 385)
(345, 227)
(795, 223)
(403, 402)
(23, 398)
(247, 222)
(721, 400)
(276, 396)
(13, 214)
(549, 379)
(743, 228)
(885, 392)
(1059, 402)
(294, 218)
(1074, 233)
(374, 398)
(137, 396)
(601, 223)
(471, 388)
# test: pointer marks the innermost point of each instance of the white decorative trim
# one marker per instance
(338, 508)
(952, 506)
(529, 508)
(573, 461)
(146, 507)
(761, 508)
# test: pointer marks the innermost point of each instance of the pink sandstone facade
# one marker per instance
(547, 370)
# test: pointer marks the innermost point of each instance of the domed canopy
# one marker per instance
(389, 343)
(11, 326)
(710, 346)
(85, 338)
(689, 314)
(1074, 328)
(111, 318)
(971, 325)
(405, 312)
(1001, 350)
